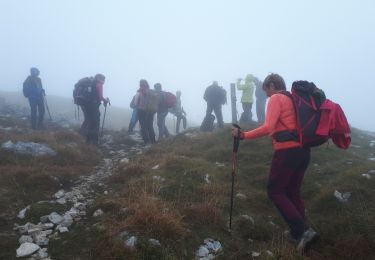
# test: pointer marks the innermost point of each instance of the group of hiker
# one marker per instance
(289, 120)
(216, 97)
(88, 95)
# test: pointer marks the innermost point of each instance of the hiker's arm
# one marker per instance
(239, 85)
(272, 117)
(99, 91)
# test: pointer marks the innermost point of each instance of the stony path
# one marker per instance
(34, 238)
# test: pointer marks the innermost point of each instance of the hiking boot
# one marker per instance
(307, 238)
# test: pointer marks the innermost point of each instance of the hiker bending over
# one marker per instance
(289, 161)
(162, 112)
(88, 94)
(260, 100)
(215, 97)
(33, 90)
(247, 98)
(147, 104)
(179, 112)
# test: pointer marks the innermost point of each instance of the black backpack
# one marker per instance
(84, 91)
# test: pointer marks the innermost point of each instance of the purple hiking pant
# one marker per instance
(286, 175)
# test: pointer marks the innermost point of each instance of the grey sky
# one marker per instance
(187, 44)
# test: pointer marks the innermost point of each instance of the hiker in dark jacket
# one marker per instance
(289, 161)
(161, 113)
(146, 118)
(91, 111)
(215, 97)
(261, 98)
(33, 90)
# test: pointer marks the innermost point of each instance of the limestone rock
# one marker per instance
(27, 249)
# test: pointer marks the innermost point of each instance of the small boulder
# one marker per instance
(98, 213)
(24, 239)
(55, 218)
(27, 249)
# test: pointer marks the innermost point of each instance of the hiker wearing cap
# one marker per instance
(247, 97)
(161, 113)
(91, 110)
(215, 96)
(147, 103)
(289, 161)
(33, 90)
(260, 100)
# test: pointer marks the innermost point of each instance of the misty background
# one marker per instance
(185, 45)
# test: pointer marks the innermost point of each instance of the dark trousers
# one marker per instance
(261, 107)
(91, 123)
(247, 115)
(37, 112)
(163, 131)
(284, 184)
(217, 109)
(146, 120)
(179, 118)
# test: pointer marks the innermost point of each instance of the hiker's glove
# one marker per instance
(106, 102)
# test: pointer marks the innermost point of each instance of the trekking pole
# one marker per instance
(105, 112)
(236, 143)
(78, 107)
(45, 102)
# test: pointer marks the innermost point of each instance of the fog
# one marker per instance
(185, 45)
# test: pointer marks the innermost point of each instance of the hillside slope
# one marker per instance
(177, 193)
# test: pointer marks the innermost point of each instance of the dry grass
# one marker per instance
(206, 213)
(154, 218)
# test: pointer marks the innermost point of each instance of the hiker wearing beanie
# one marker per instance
(289, 161)
(91, 110)
(161, 113)
(247, 98)
(179, 112)
(146, 102)
(33, 90)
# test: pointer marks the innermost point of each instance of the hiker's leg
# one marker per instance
(41, 112)
(184, 123)
(33, 105)
(97, 125)
(284, 163)
(160, 125)
(165, 129)
(84, 127)
(293, 189)
(133, 121)
(150, 122)
(260, 107)
(93, 124)
(246, 111)
(142, 122)
(219, 116)
(209, 109)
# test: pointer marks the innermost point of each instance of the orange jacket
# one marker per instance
(280, 116)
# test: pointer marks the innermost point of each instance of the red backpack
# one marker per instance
(170, 99)
(318, 118)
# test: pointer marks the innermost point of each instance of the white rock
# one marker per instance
(105, 192)
(24, 239)
(372, 158)
(255, 254)
(44, 219)
(212, 245)
(154, 242)
(61, 201)
(80, 206)
(40, 239)
(27, 249)
(55, 218)
(124, 161)
(22, 213)
(366, 175)
(59, 194)
(268, 252)
(155, 167)
(42, 253)
(371, 172)
(98, 212)
(241, 196)
(219, 164)
(63, 229)
(247, 217)
(203, 252)
(206, 178)
(67, 220)
(342, 197)
(131, 242)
